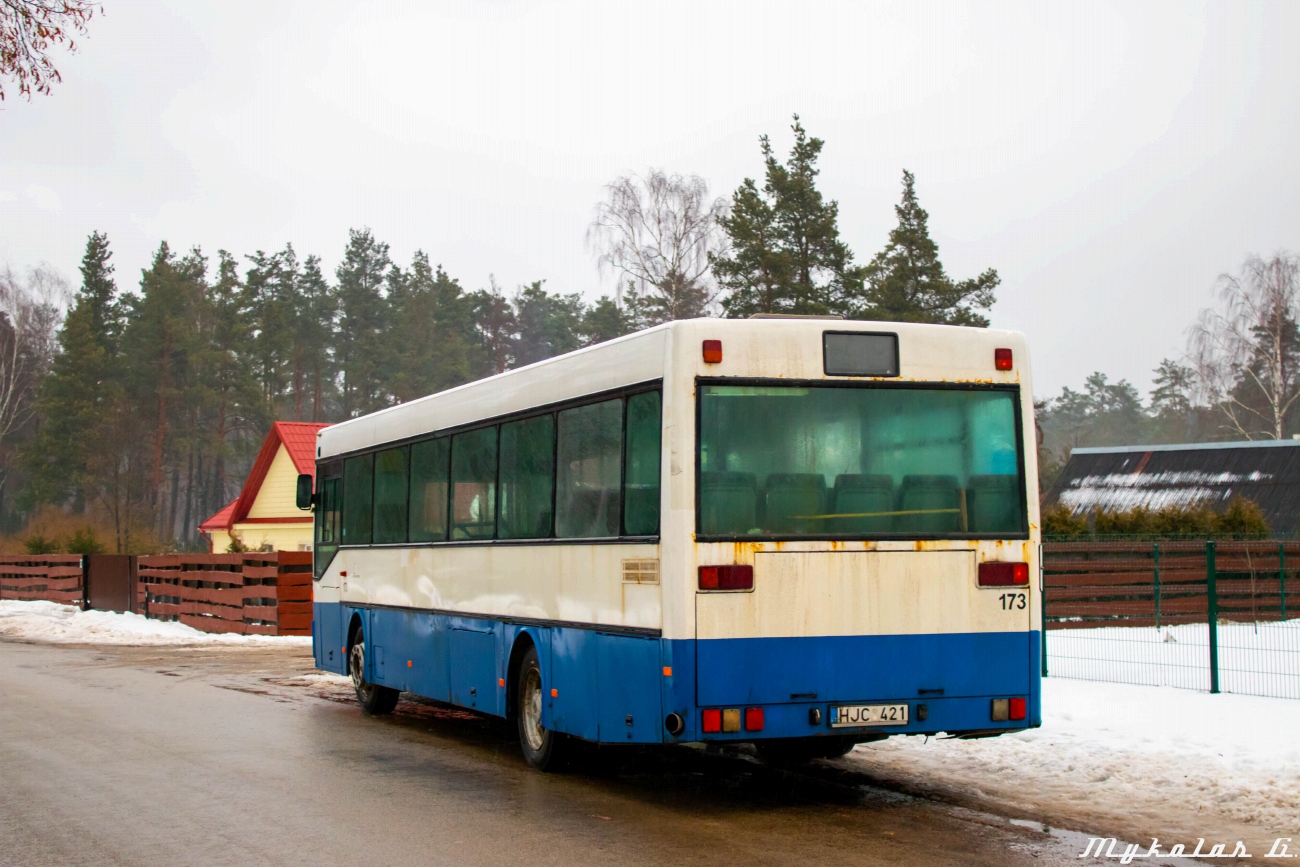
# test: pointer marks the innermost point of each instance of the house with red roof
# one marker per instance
(265, 514)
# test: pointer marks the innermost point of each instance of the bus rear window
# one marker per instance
(860, 462)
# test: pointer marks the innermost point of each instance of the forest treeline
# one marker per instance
(129, 413)
(137, 413)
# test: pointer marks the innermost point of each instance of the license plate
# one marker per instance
(868, 715)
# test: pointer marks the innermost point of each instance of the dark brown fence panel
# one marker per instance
(1105, 583)
(253, 593)
(49, 577)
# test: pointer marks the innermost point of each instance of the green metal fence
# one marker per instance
(1209, 615)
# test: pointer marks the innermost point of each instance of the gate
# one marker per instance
(111, 582)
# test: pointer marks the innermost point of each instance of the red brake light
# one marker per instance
(726, 577)
(713, 352)
(993, 574)
(1002, 359)
(1017, 708)
(711, 721)
(753, 719)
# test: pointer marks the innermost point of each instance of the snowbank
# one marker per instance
(1156, 761)
(63, 624)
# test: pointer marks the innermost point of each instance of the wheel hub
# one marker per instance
(530, 706)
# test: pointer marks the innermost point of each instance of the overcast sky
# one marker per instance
(1110, 160)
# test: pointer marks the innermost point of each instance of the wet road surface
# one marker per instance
(179, 756)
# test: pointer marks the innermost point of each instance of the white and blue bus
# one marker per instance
(796, 532)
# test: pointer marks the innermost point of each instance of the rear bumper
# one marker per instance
(947, 681)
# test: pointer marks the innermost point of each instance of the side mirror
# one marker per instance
(304, 491)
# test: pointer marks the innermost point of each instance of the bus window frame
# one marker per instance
(865, 383)
(622, 392)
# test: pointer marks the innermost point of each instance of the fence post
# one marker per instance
(1281, 575)
(1042, 611)
(1212, 614)
(1156, 545)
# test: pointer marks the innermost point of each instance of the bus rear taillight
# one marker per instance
(1002, 359)
(711, 720)
(1017, 708)
(994, 574)
(753, 719)
(726, 577)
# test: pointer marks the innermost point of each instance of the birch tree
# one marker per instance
(1246, 351)
(657, 233)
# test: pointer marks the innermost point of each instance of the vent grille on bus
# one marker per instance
(640, 571)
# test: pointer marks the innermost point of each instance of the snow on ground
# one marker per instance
(1145, 761)
(64, 624)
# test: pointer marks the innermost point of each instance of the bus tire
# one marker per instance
(374, 699)
(789, 751)
(545, 750)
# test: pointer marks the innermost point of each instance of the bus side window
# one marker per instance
(428, 507)
(390, 496)
(474, 484)
(587, 486)
(358, 499)
(641, 473)
(527, 478)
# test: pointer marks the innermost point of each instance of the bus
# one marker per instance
(799, 533)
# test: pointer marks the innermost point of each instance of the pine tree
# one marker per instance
(362, 343)
(82, 386)
(604, 321)
(316, 306)
(231, 408)
(786, 254)
(548, 325)
(906, 281)
(432, 332)
(159, 346)
(496, 329)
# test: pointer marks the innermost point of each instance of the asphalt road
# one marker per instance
(180, 756)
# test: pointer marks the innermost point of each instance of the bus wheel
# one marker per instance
(545, 750)
(788, 751)
(375, 699)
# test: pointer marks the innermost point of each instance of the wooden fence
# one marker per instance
(50, 577)
(254, 594)
(1102, 583)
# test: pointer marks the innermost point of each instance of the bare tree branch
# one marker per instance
(29, 29)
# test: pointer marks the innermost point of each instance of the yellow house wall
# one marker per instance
(220, 541)
(281, 537)
(275, 499)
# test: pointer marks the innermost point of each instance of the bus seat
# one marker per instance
(993, 504)
(856, 497)
(937, 501)
(791, 501)
(729, 502)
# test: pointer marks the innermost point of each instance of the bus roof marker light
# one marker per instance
(1002, 359)
(713, 352)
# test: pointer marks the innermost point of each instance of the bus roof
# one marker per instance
(786, 348)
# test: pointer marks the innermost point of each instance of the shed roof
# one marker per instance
(298, 439)
(1191, 474)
